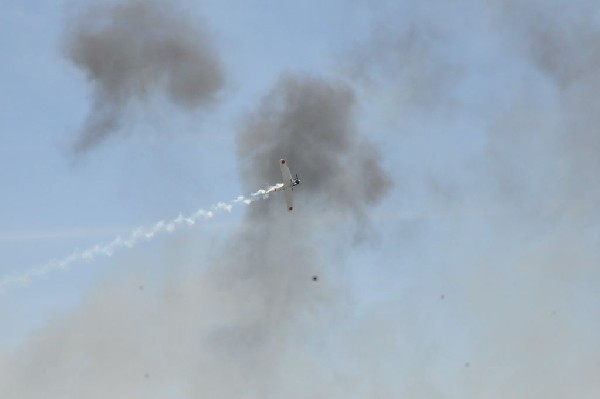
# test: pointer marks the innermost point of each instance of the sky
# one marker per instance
(449, 156)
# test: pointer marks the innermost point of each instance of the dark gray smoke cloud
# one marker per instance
(265, 270)
(132, 51)
(311, 123)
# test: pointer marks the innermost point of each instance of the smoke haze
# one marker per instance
(241, 327)
(132, 51)
(522, 261)
(491, 108)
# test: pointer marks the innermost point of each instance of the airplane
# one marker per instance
(288, 184)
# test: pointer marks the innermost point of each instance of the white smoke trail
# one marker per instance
(141, 233)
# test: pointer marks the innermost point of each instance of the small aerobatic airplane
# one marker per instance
(288, 184)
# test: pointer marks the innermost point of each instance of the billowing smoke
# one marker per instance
(274, 254)
(311, 123)
(133, 51)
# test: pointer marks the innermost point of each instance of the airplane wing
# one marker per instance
(287, 184)
(289, 194)
(285, 172)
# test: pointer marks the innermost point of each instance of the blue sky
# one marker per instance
(474, 275)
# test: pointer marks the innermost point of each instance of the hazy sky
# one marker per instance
(449, 155)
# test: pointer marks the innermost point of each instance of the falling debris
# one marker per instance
(315, 278)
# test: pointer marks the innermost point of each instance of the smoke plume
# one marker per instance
(266, 268)
(119, 242)
(132, 51)
(311, 123)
